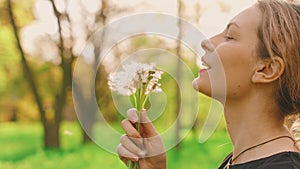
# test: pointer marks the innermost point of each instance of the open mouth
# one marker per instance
(204, 65)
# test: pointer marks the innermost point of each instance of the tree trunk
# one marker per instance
(13, 111)
(51, 127)
(67, 59)
(85, 113)
(27, 72)
(32, 83)
(88, 116)
(178, 77)
(51, 137)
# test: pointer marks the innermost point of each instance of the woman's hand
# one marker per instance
(145, 147)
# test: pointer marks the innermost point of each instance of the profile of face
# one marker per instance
(233, 53)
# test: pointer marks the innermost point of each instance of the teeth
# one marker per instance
(204, 66)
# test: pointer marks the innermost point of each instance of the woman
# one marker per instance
(260, 53)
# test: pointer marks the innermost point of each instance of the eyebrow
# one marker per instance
(232, 24)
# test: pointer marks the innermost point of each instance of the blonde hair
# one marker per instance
(279, 36)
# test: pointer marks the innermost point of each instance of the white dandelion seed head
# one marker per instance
(121, 83)
(127, 82)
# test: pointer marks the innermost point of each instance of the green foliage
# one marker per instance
(12, 86)
(21, 148)
(20, 140)
(9, 59)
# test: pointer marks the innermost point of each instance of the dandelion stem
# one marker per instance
(129, 164)
(138, 99)
(145, 100)
(136, 165)
(133, 100)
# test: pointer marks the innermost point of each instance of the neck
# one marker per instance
(252, 121)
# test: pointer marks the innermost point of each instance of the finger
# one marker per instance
(132, 132)
(126, 161)
(129, 145)
(129, 129)
(132, 115)
(148, 128)
(126, 154)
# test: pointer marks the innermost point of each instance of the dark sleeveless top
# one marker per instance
(284, 160)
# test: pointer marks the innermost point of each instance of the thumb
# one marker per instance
(148, 128)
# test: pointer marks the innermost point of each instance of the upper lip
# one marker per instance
(204, 63)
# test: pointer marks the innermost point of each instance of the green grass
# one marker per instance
(21, 147)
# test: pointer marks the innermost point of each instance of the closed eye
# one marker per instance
(228, 37)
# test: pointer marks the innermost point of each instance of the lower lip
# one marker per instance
(203, 70)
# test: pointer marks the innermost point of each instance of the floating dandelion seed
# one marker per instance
(68, 132)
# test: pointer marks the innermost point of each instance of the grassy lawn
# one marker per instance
(21, 147)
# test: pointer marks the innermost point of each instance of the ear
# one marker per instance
(268, 71)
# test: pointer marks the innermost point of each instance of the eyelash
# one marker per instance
(228, 37)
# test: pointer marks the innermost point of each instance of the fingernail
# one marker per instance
(132, 115)
(135, 119)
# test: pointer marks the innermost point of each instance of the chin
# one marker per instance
(201, 88)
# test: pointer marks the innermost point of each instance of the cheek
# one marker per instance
(238, 69)
(230, 74)
(238, 65)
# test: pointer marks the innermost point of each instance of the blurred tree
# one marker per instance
(56, 37)
(85, 88)
(96, 81)
(178, 73)
(49, 48)
(12, 86)
(51, 125)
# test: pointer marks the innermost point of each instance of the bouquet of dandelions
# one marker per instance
(137, 81)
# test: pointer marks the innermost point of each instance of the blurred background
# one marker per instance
(40, 43)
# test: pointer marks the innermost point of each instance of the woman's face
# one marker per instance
(235, 47)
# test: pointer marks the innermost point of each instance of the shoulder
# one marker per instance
(284, 160)
(287, 160)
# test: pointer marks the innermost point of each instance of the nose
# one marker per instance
(207, 45)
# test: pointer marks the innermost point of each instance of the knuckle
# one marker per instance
(133, 134)
(142, 153)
